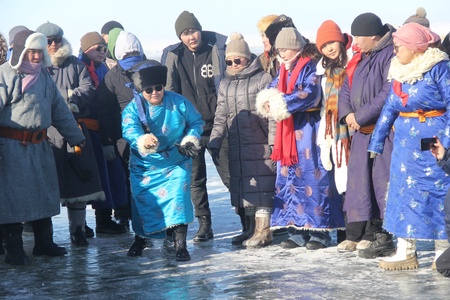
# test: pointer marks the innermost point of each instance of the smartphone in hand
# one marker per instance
(427, 143)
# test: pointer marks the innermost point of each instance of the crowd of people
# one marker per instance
(308, 137)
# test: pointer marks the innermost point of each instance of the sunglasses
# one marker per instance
(56, 40)
(101, 49)
(237, 61)
(157, 88)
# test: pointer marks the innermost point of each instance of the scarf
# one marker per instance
(285, 148)
(351, 67)
(333, 85)
(128, 62)
(91, 69)
(31, 71)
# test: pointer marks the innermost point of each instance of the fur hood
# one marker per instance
(62, 54)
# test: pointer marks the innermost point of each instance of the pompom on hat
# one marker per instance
(50, 29)
(289, 38)
(415, 37)
(90, 39)
(28, 39)
(419, 18)
(108, 26)
(368, 24)
(329, 31)
(146, 74)
(237, 46)
(186, 20)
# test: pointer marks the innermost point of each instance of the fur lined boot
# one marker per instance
(405, 258)
(248, 230)
(262, 236)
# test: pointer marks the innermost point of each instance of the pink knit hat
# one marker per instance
(415, 37)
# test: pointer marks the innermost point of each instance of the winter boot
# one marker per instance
(2, 248)
(347, 246)
(363, 244)
(182, 254)
(405, 258)
(12, 234)
(43, 239)
(204, 232)
(138, 246)
(443, 263)
(247, 233)
(340, 236)
(168, 240)
(439, 247)
(88, 231)
(383, 245)
(79, 237)
(262, 236)
(240, 211)
(105, 225)
(76, 213)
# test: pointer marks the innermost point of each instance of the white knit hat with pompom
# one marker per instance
(419, 18)
(237, 46)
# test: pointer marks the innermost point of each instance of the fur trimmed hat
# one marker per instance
(264, 22)
(90, 39)
(108, 26)
(275, 27)
(368, 24)
(289, 38)
(13, 31)
(186, 20)
(50, 29)
(127, 43)
(28, 39)
(237, 46)
(147, 73)
(419, 18)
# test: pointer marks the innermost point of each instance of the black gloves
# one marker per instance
(188, 149)
(83, 173)
(215, 155)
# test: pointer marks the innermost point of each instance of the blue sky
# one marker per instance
(153, 21)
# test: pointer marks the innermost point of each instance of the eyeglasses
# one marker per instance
(188, 32)
(237, 61)
(157, 88)
(56, 40)
(101, 48)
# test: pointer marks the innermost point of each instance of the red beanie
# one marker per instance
(329, 32)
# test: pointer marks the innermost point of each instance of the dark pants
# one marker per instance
(443, 263)
(199, 193)
(364, 230)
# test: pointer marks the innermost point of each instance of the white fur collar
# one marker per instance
(64, 52)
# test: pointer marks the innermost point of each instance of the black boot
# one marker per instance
(180, 232)
(104, 223)
(88, 231)
(12, 234)
(2, 248)
(383, 245)
(138, 246)
(341, 236)
(248, 233)
(204, 232)
(243, 217)
(169, 241)
(79, 237)
(43, 239)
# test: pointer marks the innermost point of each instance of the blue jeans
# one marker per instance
(301, 237)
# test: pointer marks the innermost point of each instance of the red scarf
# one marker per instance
(94, 76)
(397, 87)
(285, 148)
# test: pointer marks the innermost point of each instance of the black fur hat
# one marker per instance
(147, 73)
(275, 27)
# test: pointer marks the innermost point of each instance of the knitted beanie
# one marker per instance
(415, 37)
(264, 22)
(237, 46)
(110, 26)
(289, 38)
(147, 73)
(28, 39)
(186, 20)
(113, 35)
(419, 18)
(329, 32)
(127, 43)
(50, 29)
(13, 31)
(368, 24)
(90, 39)
(274, 28)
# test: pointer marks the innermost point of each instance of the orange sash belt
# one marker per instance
(34, 137)
(91, 124)
(422, 115)
(368, 129)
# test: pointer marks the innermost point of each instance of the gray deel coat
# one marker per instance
(252, 172)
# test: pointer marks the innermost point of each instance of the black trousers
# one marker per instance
(199, 193)
(443, 263)
(364, 230)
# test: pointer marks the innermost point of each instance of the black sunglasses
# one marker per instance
(237, 61)
(157, 88)
(101, 48)
(57, 40)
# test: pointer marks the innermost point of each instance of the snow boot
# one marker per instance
(79, 237)
(247, 233)
(405, 258)
(12, 234)
(168, 240)
(2, 248)
(347, 246)
(76, 213)
(204, 232)
(88, 231)
(443, 263)
(105, 225)
(43, 239)
(439, 247)
(262, 236)
(240, 211)
(363, 244)
(383, 245)
(138, 246)
(181, 253)
(314, 245)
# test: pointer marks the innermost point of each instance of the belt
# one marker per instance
(368, 129)
(422, 115)
(313, 109)
(91, 124)
(34, 137)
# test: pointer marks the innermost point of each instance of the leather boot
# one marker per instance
(15, 255)
(248, 233)
(168, 240)
(138, 246)
(262, 236)
(383, 245)
(405, 258)
(105, 225)
(181, 252)
(204, 232)
(77, 223)
(43, 239)
(79, 237)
